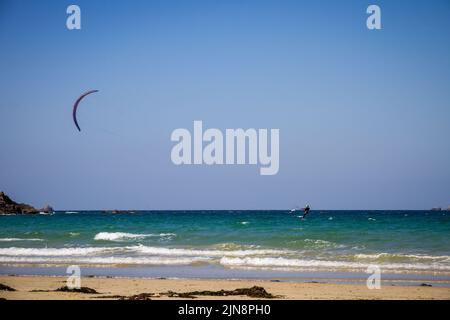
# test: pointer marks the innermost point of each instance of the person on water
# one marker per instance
(306, 211)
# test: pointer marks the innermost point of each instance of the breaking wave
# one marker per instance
(227, 255)
(138, 250)
(401, 257)
(20, 239)
(123, 236)
(323, 264)
(112, 260)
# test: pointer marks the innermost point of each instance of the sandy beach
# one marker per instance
(42, 288)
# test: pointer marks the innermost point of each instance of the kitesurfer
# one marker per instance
(306, 211)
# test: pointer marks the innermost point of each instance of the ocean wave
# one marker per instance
(321, 244)
(322, 264)
(59, 252)
(227, 255)
(399, 256)
(206, 252)
(112, 260)
(20, 239)
(139, 249)
(234, 246)
(123, 236)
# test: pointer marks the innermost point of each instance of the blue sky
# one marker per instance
(363, 115)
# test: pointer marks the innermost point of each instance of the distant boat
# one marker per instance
(436, 209)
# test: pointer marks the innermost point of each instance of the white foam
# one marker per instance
(106, 260)
(48, 252)
(250, 256)
(206, 252)
(20, 239)
(418, 257)
(322, 264)
(139, 249)
(121, 236)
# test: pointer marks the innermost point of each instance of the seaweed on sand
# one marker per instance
(4, 287)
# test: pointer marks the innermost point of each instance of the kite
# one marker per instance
(75, 107)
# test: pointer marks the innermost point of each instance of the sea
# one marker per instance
(229, 243)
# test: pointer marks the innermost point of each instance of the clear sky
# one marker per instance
(364, 116)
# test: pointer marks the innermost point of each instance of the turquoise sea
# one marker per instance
(326, 241)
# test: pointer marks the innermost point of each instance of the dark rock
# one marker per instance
(186, 295)
(425, 285)
(4, 287)
(78, 290)
(253, 292)
(47, 209)
(114, 296)
(141, 296)
(8, 206)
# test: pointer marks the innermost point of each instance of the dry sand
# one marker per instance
(284, 290)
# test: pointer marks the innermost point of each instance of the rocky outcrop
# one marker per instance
(8, 206)
(47, 209)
